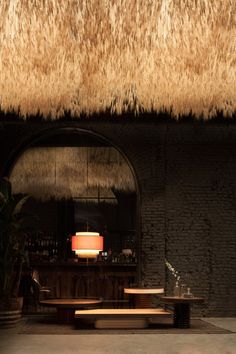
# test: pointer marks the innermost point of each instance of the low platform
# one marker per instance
(121, 318)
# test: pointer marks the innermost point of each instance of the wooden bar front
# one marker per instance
(76, 280)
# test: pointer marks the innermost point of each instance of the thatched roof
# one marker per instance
(118, 55)
(87, 173)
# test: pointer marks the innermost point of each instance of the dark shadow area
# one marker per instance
(48, 325)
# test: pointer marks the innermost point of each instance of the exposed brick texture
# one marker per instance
(187, 180)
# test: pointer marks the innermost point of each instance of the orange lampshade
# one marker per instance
(87, 244)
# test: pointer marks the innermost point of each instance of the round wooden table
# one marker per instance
(181, 316)
(66, 307)
(141, 296)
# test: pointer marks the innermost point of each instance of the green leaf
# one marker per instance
(15, 226)
(20, 201)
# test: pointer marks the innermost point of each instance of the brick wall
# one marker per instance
(201, 221)
(187, 179)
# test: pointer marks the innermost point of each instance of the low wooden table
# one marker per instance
(142, 298)
(121, 318)
(66, 307)
(181, 314)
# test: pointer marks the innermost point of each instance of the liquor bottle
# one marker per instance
(68, 248)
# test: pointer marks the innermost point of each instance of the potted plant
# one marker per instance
(15, 225)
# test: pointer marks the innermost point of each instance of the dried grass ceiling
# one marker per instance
(89, 56)
(86, 173)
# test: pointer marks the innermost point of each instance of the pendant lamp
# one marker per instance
(87, 244)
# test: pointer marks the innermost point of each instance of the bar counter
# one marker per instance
(95, 279)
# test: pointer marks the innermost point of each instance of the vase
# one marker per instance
(10, 312)
(176, 291)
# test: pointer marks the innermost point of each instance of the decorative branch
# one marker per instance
(173, 271)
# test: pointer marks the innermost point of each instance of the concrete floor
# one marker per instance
(13, 343)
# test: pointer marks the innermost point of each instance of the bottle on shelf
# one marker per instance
(69, 252)
(42, 247)
(109, 255)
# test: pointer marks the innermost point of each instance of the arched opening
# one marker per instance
(58, 169)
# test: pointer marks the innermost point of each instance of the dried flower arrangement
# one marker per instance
(173, 271)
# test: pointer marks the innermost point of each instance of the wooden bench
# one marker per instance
(121, 318)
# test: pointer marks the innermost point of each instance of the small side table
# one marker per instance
(66, 307)
(142, 296)
(181, 317)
